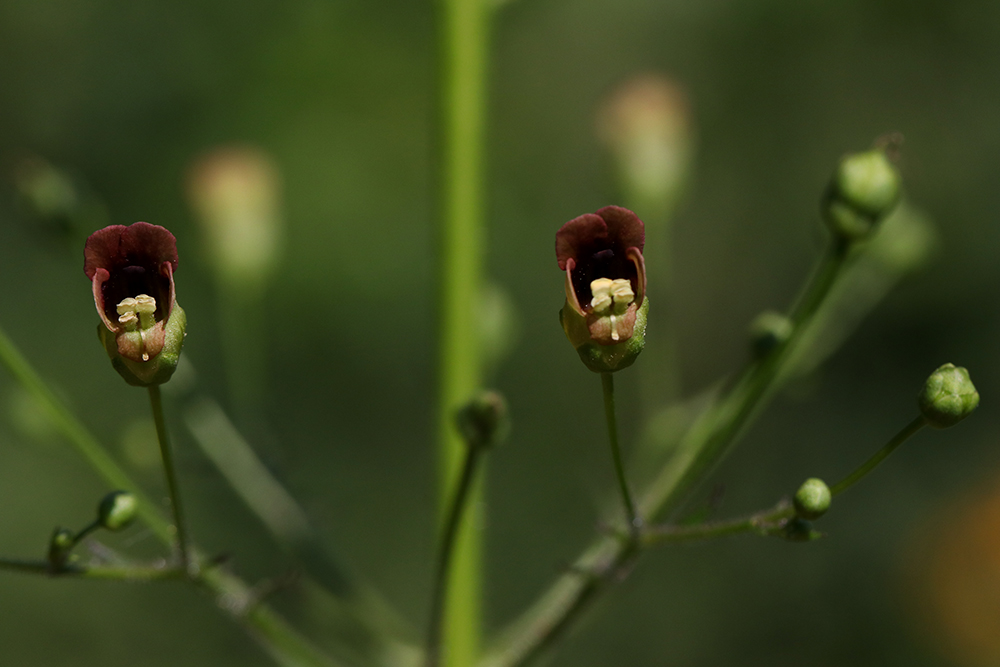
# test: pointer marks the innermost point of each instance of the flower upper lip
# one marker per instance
(123, 262)
(605, 244)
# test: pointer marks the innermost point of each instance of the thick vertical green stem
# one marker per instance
(463, 41)
(456, 512)
(608, 384)
(169, 470)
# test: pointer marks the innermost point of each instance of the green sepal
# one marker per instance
(605, 358)
(158, 369)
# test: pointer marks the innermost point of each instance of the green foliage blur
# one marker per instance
(124, 96)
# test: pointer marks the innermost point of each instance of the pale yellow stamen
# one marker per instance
(601, 289)
(129, 321)
(126, 306)
(145, 305)
(611, 297)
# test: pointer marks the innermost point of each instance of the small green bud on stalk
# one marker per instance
(483, 421)
(812, 500)
(864, 189)
(60, 544)
(117, 510)
(948, 396)
(769, 330)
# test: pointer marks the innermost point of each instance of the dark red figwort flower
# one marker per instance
(132, 273)
(601, 254)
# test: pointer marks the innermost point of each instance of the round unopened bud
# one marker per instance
(482, 422)
(769, 330)
(60, 543)
(117, 510)
(812, 500)
(948, 396)
(864, 189)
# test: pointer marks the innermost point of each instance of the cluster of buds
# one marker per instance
(131, 270)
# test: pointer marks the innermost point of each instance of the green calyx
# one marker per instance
(157, 369)
(812, 500)
(117, 510)
(605, 358)
(948, 396)
(864, 189)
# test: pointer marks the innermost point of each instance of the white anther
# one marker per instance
(145, 304)
(126, 306)
(129, 321)
(601, 289)
(621, 291)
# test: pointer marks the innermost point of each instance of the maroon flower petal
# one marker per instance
(102, 249)
(625, 229)
(126, 261)
(582, 232)
(143, 240)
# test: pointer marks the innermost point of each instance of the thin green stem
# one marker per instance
(170, 472)
(94, 525)
(282, 642)
(608, 385)
(764, 522)
(78, 436)
(711, 438)
(463, 38)
(453, 523)
(156, 572)
(905, 434)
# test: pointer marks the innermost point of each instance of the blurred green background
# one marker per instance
(124, 96)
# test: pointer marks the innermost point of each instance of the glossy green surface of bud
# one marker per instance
(483, 421)
(60, 543)
(117, 510)
(768, 330)
(812, 500)
(864, 189)
(605, 358)
(948, 396)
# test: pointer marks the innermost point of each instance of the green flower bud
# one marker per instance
(800, 530)
(812, 500)
(483, 421)
(948, 396)
(117, 510)
(60, 543)
(769, 330)
(864, 189)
